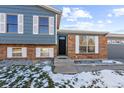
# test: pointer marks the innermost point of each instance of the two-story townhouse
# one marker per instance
(28, 31)
(32, 32)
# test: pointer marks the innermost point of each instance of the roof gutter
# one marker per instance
(81, 32)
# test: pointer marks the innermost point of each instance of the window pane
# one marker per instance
(17, 55)
(11, 28)
(11, 19)
(83, 40)
(11, 23)
(17, 49)
(44, 52)
(43, 29)
(17, 52)
(91, 49)
(91, 40)
(43, 21)
(43, 25)
(83, 49)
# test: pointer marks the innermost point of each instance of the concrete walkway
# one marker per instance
(67, 66)
(63, 64)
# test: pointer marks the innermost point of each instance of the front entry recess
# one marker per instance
(62, 45)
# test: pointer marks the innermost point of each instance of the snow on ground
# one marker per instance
(41, 75)
(104, 78)
(111, 62)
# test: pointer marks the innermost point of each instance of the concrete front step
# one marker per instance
(63, 61)
(62, 57)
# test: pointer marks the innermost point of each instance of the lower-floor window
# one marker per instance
(21, 52)
(16, 52)
(87, 44)
(44, 52)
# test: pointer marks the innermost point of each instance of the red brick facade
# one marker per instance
(102, 49)
(31, 49)
(31, 52)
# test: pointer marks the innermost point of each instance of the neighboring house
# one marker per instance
(115, 46)
(115, 38)
(28, 31)
(31, 32)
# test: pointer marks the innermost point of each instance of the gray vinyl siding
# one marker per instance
(27, 37)
(116, 51)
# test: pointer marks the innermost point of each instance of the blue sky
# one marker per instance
(93, 17)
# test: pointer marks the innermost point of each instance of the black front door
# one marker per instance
(62, 45)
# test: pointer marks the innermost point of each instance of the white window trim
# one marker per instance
(35, 25)
(3, 23)
(16, 14)
(51, 27)
(56, 29)
(20, 24)
(48, 25)
(77, 44)
(96, 44)
(10, 55)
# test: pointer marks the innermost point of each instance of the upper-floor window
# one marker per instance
(87, 44)
(12, 24)
(43, 25)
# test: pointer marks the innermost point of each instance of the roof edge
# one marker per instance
(115, 35)
(64, 31)
(51, 9)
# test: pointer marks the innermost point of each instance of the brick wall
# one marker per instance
(30, 50)
(102, 49)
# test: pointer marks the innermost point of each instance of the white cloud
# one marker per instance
(118, 11)
(85, 26)
(72, 14)
(82, 14)
(100, 25)
(120, 31)
(71, 19)
(79, 25)
(100, 21)
(109, 15)
(109, 21)
(66, 11)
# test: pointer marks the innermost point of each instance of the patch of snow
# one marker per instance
(47, 68)
(37, 65)
(111, 79)
(111, 62)
(39, 75)
(36, 75)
